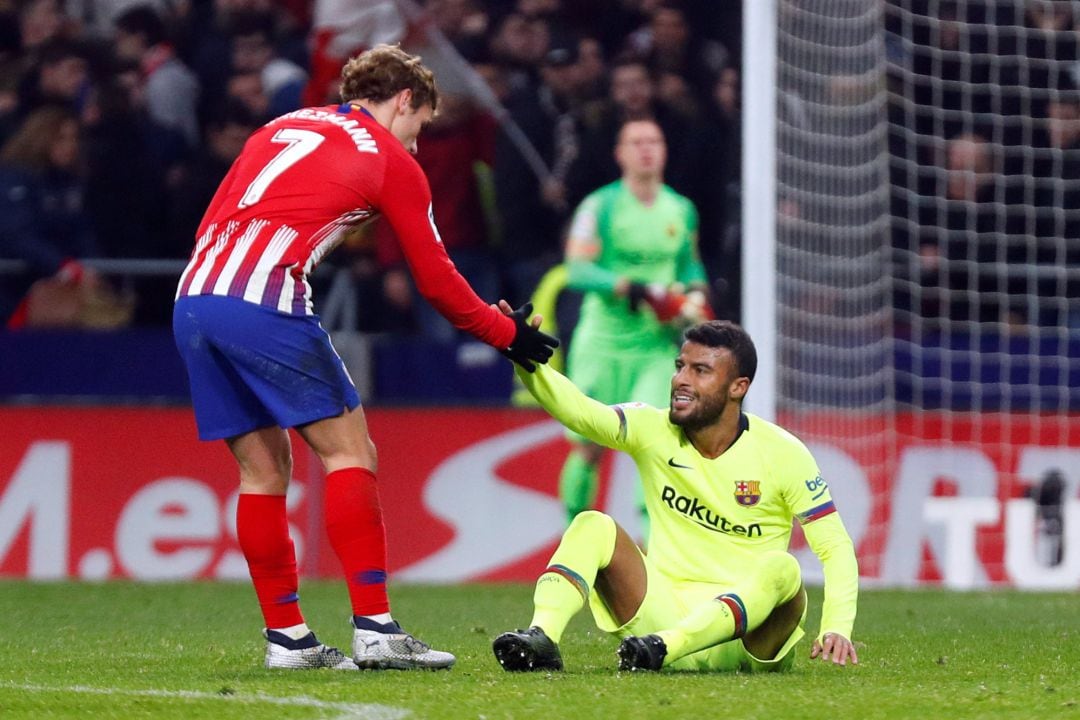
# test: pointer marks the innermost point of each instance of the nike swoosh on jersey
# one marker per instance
(672, 463)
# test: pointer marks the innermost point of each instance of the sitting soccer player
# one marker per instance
(718, 589)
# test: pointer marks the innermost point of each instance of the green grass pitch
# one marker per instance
(120, 650)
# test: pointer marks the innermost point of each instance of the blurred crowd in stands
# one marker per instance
(118, 119)
(985, 149)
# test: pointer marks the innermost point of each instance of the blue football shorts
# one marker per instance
(252, 367)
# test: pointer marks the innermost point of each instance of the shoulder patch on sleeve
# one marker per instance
(816, 513)
(619, 410)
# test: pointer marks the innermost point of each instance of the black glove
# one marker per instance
(636, 293)
(529, 345)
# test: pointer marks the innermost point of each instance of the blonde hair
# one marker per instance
(31, 145)
(385, 70)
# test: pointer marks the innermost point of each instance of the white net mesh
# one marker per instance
(928, 244)
(984, 136)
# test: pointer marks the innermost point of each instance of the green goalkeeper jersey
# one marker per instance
(654, 243)
(712, 517)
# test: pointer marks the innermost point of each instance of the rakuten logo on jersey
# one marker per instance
(700, 513)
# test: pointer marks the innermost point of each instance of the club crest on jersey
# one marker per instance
(747, 492)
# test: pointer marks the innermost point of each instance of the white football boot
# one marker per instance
(378, 646)
(307, 653)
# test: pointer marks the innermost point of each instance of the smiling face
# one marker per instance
(705, 382)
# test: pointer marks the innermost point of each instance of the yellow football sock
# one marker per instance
(731, 615)
(563, 589)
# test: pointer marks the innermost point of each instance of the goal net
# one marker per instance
(928, 278)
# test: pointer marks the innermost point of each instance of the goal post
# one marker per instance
(759, 197)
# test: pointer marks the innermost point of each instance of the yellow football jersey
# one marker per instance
(710, 518)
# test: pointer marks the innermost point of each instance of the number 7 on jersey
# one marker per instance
(298, 145)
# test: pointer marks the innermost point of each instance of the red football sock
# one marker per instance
(263, 531)
(355, 527)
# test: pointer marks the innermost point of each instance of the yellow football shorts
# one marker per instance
(666, 603)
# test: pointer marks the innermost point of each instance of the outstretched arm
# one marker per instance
(602, 424)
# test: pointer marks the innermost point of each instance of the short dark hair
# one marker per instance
(385, 70)
(726, 334)
(58, 49)
(230, 112)
(252, 22)
(142, 20)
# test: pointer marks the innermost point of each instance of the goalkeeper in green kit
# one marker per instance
(632, 251)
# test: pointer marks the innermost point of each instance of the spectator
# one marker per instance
(206, 49)
(96, 17)
(685, 65)
(253, 51)
(720, 203)
(1059, 170)
(200, 175)
(59, 75)
(1050, 37)
(463, 22)
(171, 89)
(969, 235)
(246, 88)
(41, 21)
(129, 161)
(518, 45)
(593, 69)
(632, 96)
(957, 56)
(533, 213)
(620, 19)
(1056, 170)
(42, 219)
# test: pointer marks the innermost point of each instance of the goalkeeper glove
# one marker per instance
(680, 309)
(635, 293)
(530, 345)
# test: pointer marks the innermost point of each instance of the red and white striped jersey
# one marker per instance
(301, 181)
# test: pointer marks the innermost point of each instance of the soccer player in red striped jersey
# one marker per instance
(259, 361)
